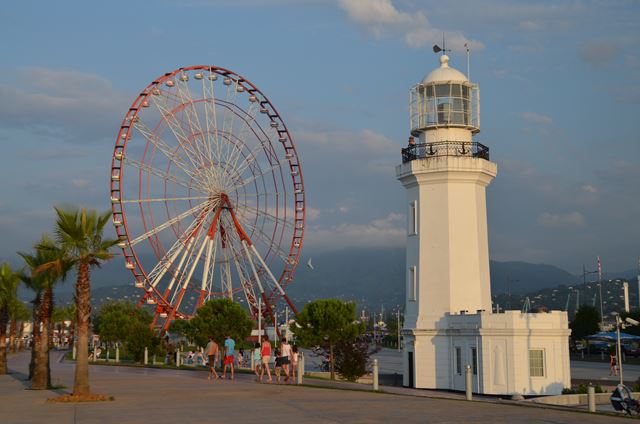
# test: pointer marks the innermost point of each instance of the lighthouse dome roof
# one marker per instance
(444, 73)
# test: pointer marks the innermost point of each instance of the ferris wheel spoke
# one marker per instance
(193, 119)
(209, 117)
(163, 147)
(255, 176)
(228, 115)
(237, 252)
(170, 222)
(164, 175)
(269, 216)
(164, 199)
(170, 256)
(261, 236)
(196, 158)
(247, 120)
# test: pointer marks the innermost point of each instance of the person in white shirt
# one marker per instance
(285, 357)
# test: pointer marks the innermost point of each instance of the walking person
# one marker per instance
(294, 362)
(613, 364)
(240, 358)
(265, 355)
(229, 346)
(285, 358)
(257, 361)
(212, 351)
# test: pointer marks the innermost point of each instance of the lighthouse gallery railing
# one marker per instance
(444, 148)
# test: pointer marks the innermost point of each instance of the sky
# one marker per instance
(560, 101)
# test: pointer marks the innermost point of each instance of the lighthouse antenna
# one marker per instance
(466, 45)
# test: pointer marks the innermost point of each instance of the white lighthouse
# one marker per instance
(448, 317)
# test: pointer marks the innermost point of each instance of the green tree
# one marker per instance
(327, 323)
(123, 322)
(585, 323)
(46, 270)
(180, 328)
(219, 318)
(79, 233)
(9, 281)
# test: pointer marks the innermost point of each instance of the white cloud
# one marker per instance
(568, 220)
(381, 232)
(80, 183)
(380, 17)
(589, 188)
(365, 141)
(312, 214)
(63, 104)
(536, 118)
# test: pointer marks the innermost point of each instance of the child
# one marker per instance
(257, 361)
(278, 365)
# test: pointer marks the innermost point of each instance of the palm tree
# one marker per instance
(47, 268)
(9, 281)
(79, 234)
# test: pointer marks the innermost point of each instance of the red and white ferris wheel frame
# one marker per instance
(164, 307)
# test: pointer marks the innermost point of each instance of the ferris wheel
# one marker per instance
(207, 194)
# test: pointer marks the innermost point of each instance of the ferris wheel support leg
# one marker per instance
(291, 305)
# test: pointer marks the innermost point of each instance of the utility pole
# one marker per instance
(600, 288)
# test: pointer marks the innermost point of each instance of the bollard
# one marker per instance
(601, 355)
(375, 375)
(468, 382)
(253, 363)
(154, 359)
(591, 398)
(300, 369)
(107, 355)
(74, 352)
(117, 354)
(146, 356)
(582, 353)
(178, 357)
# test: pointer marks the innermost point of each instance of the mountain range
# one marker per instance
(371, 277)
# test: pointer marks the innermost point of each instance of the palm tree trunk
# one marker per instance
(4, 318)
(41, 379)
(83, 314)
(35, 340)
(21, 336)
(13, 327)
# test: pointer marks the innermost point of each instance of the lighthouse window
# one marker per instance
(413, 218)
(458, 361)
(442, 90)
(411, 293)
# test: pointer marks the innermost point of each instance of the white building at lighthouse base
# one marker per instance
(510, 352)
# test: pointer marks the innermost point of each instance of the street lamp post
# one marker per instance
(398, 314)
(618, 347)
(584, 282)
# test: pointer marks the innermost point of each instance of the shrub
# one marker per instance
(352, 359)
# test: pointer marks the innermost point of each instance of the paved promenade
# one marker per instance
(170, 396)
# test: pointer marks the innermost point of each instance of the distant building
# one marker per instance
(449, 323)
